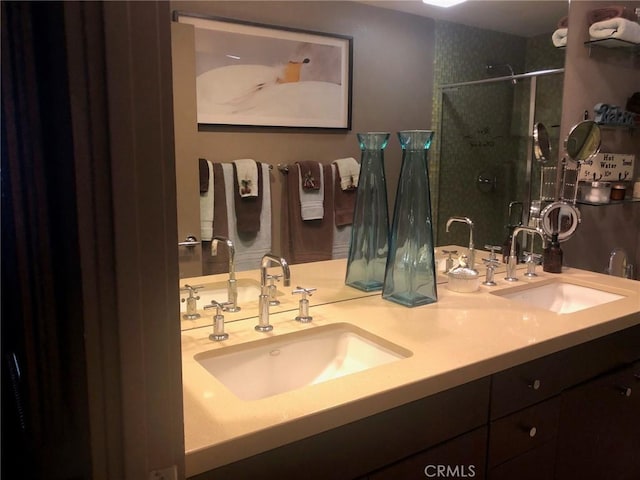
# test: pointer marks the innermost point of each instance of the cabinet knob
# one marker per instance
(626, 391)
(532, 431)
(535, 384)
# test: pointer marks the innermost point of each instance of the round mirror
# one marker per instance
(541, 144)
(561, 218)
(583, 141)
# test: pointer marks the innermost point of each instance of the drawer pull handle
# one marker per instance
(535, 385)
(532, 432)
(626, 391)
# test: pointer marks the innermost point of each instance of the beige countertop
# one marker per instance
(460, 338)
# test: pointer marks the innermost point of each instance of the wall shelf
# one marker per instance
(614, 43)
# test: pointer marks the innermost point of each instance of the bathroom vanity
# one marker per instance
(486, 384)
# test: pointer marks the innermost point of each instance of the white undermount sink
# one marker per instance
(559, 297)
(282, 363)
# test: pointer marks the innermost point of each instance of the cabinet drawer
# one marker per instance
(536, 464)
(522, 431)
(535, 381)
(463, 457)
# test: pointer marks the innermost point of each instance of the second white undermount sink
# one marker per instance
(282, 363)
(559, 297)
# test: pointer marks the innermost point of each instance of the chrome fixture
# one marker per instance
(218, 321)
(619, 264)
(513, 260)
(491, 68)
(472, 253)
(491, 263)
(273, 289)
(263, 304)
(191, 301)
(532, 259)
(232, 287)
(303, 308)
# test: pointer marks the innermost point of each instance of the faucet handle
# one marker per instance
(492, 250)
(303, 313)
(533, 259)
(192, 289)
(218, 321)
(491, 264)
(272, 289)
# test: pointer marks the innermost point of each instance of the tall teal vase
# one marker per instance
(370, 232)
(410, 276)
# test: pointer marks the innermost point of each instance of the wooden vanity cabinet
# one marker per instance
(548, 415)
(358, 448)
(566, 415)
(599, 431)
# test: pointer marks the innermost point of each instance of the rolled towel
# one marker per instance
(311, 201)
(619, 28)
(247, 177)
(559, 37)
(206, 207)
(349, 172)
(609, 12)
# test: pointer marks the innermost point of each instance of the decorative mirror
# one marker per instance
(561, 218)
(541, 143)
(583, 141)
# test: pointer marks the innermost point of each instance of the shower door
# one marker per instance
(486, 153)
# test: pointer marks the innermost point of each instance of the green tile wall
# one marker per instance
(484, 128)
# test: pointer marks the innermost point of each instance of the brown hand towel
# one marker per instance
(310, 240)
(344, 201)
(247, 208)
(217, 263)
(310, 172)
(203, 170)
(609, 12)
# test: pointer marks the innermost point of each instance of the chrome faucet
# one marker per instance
(472, 252)
(513, 259)
(232, 288)
(263, 305)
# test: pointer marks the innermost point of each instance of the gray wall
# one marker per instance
(392, 90)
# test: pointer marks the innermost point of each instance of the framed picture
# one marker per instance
(260, 75)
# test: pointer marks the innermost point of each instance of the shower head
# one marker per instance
(492, 68)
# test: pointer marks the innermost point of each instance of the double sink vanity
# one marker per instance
(490, 383)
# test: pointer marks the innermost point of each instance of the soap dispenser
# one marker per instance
(552, 256)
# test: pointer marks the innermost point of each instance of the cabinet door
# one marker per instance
(462, 457)
(599, 433)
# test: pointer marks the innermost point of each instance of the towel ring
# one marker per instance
(283, 168)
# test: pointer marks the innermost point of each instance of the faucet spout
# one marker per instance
(232, 287)
(232, 253)
(269, 258)
(263, 300)
(513, 260)
(468, 221)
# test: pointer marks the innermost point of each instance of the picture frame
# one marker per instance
(252, 74)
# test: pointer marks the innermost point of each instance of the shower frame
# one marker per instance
(526, 207)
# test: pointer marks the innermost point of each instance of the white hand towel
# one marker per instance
(559, 37)
(249, 252)
(341, 235)
(206, 209)
(311, 201)
(349, 170)
(247, 177)
(618, 27)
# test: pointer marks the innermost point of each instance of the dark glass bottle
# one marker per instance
(552, 256)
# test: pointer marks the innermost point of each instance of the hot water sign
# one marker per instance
(612, 167)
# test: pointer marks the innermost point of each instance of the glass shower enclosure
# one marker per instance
(486, 160)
